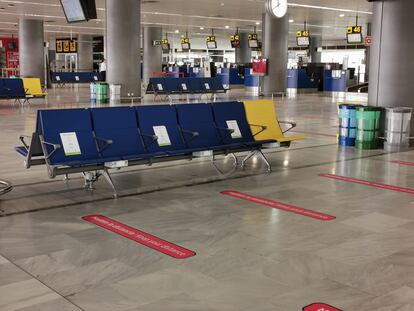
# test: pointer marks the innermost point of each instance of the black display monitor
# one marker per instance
(212, 45)
(166, 47)
(79, 10)
(253, 44)
(185, 46)
(235, 44)
(303, 41)
(354, 38)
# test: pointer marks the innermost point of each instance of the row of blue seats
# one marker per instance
(170, 86)
(129, 134)
(76, 77)
(12, 89)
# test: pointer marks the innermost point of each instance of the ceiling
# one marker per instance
(326, 17)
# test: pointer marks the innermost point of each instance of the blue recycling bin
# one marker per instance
(347, 125)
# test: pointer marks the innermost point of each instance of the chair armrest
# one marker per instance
(55, 148)
(229, 131)
(193, 134)
(262, 128)
(292, 125)
(22, 137)
(107, 143)
(153, 138)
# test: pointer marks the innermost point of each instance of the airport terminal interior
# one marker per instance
(206, 155)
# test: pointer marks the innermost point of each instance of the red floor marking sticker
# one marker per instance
(279, 205)
(141, 237)
(369, 183)
(403, 163)
(320, 307)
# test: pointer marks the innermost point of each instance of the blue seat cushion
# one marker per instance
(78, 121)
(198, 118)
(162, 115)
(230, 112)
(118, 124)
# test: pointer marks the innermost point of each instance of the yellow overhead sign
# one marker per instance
(353, 29)
(302, 33)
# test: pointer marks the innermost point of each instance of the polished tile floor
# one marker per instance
(249, 256)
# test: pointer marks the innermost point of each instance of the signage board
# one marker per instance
(302, 38)
(185, 44)
(211, 42)
(235, 41)
(66, 46)
(354, 34)
(259, 66)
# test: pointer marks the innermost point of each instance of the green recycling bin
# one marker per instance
(102, 91)
(368, 125)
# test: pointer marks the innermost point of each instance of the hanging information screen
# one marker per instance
(66, 46)
(211, 42)
(302, 38)
(185, 44)
(354, 34)
(253, 42)
(235, 41)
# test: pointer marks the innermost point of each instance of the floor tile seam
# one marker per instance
(41, 282)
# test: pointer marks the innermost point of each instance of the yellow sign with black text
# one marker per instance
(235, 38)
(211, 39)
(353, 29)
(185, 40)
(66, 46)
(253, 36)
(302, 33)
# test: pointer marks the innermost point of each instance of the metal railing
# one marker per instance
(5, 187)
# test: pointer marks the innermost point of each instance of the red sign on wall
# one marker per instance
(259, 66)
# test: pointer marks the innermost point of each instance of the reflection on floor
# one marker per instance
(249, 256)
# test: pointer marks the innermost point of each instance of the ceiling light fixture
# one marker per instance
(291, 21)
(342, 15)
(318, 7)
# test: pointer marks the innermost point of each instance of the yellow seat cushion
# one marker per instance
(263, 113)
(33, 87)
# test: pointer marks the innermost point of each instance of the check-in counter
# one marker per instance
(224, 75)
(251, 83)
(335, 81)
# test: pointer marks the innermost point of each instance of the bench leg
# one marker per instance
(247, 158)
(261, 154)
(108, 177)
(90, 178)
(236, 160)
(221, 172)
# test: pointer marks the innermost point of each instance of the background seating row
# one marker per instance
(84, 140)
(18, 89)
(76, 77)
(171, 86)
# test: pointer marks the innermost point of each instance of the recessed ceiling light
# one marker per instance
(222, 4)
(341, 15)
(257, 23)
(177, 31)
(201, 28)
(291, 21)
(227, 27)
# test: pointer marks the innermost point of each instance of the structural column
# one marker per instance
(31, 48)
(315, 44)
(391, 60)
(85, 53)
(368, 53)
(244, 53)
(123, 44)
(152, 61)
(275, 49)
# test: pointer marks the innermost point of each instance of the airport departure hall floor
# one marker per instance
(249, 256)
